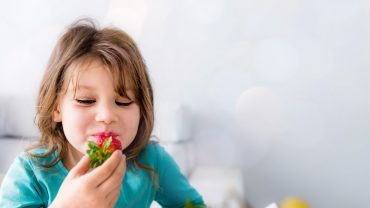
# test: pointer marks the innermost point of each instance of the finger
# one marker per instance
(101, 173)
(113, 197)
(115, 180)
(81, 168)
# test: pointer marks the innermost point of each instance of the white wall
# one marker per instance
(279, 88)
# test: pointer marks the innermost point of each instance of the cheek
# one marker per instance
(131, 120)
(76, 118)
(137, 117)
(75, 122)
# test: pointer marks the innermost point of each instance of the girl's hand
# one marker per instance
(97, 188)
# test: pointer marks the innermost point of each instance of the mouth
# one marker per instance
(105, 134)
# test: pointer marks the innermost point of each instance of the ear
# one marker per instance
(57, 116)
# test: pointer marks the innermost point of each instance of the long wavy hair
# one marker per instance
(81, 42)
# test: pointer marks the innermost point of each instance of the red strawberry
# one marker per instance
(115, 144)
(99, 152)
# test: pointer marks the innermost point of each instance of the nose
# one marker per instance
(106, 113)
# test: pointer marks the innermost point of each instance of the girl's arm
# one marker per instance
(20, 187)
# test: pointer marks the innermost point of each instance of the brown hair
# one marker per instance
(118, 52)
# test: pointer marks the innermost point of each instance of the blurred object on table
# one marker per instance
(294, 202)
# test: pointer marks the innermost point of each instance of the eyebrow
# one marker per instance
(85, 87)
(93, 87)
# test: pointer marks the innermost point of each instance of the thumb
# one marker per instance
(81, 167)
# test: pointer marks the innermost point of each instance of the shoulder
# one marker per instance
(37, 156)
(20, 187)
(22, 161)
(26, 161)
(153, 147)
(37, 162)
(26, 155)
(155, 151)
(154, 154)
(158, 157)
(21, 170)
(151, 152)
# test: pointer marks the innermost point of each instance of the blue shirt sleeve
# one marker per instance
(174, 189)
(19, 187)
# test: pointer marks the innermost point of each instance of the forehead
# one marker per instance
(78, 72)
(83, 71)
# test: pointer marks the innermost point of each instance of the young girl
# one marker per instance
(96, 83)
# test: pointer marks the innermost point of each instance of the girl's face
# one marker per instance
(91, 107)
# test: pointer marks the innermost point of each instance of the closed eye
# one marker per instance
(124, 103)
(85, 102)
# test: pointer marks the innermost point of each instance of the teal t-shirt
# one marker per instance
(27, 184)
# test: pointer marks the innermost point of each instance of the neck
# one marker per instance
(72, 158)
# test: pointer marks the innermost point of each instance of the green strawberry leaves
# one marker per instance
(107, 142)
(98, 155)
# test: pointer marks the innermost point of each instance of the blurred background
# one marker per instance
(271, 96)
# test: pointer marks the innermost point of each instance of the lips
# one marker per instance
(105, 134)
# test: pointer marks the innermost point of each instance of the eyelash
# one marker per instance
(89, 102)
